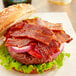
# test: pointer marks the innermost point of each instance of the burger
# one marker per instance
(30, 44)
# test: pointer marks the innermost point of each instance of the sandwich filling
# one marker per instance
(9, 63)
(35, 44)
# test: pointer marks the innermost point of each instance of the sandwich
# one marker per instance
(30, 44)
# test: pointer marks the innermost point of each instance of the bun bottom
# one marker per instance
(35, 70)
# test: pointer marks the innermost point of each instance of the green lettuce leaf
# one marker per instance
(8, 62)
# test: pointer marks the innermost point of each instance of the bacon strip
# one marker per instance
(54, 27)
(39, 21)
(18, 42)
(62, 37)
(47, 51)
(39, 33)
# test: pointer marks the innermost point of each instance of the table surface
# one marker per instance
(45, 6)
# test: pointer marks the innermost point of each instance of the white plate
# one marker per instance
(69, 68)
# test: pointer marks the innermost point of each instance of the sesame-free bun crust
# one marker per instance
(35, 70)
(10, 15)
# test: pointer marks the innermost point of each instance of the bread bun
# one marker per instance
(10, 15)
(35, 70)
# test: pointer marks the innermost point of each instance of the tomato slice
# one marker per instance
(35, 54)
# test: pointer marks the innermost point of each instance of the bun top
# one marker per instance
(10, 15)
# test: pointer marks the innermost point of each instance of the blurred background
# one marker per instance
(68, 6)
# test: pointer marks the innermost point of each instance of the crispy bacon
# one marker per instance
(17, 26)
(47, 51)
(39, 21)
(18, 42)
(57, 26)
(62, 37)
(39, 33)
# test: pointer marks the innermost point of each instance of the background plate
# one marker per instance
(69, 68)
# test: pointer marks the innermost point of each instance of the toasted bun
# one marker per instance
(35, 70)
(10, 15)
